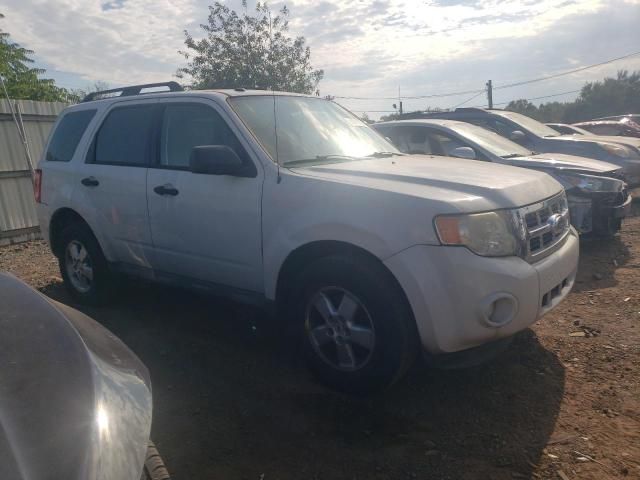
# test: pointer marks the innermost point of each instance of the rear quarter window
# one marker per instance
(67, 135)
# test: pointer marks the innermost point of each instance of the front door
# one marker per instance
(204, 227)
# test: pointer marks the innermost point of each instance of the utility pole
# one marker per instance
(399, 100)
(490, 94)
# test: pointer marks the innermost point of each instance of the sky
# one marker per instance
(367, 48)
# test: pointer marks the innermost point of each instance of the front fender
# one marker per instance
(283, 244)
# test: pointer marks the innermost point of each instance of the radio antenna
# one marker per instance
(275, 131)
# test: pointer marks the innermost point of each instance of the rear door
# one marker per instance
(111, 189)
(204, 227)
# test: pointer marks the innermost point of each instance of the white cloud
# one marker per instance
(366, 47)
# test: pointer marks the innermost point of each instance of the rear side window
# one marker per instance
(67, 135)
(123, 138)
(185, 126)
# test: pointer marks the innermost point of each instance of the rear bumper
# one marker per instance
(461, 300)
(43, 219)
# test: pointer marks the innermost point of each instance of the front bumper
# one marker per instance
(599, 212)
(449, 290)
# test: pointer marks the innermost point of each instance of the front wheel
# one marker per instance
(358, 331)
(154, 468)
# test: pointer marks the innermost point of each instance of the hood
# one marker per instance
(75, 402)
(463, 185)
(631, 141)
(561, 161)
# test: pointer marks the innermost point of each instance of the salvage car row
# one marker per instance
(596, 189)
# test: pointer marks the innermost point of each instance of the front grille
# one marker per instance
(547, 223)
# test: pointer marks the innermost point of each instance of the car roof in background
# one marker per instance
(623, 122)
(444, 122)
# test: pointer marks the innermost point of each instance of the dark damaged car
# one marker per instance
(598, 198)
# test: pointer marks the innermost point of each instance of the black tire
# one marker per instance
(100, 287)
(154, 468)
(381, 303)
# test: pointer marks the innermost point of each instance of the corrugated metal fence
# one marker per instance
(18, 220)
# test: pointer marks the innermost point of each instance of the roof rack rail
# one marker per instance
(470, 109)
(133, 90)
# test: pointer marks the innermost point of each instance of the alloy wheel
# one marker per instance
(340, 328)
(79, 266)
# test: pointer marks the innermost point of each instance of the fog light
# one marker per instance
(498, 310)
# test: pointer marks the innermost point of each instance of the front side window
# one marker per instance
(309, 130)
(490, 141)
(67, 135)
(442, 144)
(413, 140)
(605, 130)
(528, 123)
(185, 126)
(123, 138)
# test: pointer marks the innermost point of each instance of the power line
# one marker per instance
(535, 98)
(413, 97)
(540, 79)
(509, 85)
(469, 99)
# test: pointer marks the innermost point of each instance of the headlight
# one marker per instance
(617, 150)
(491, 234)
(590, 183)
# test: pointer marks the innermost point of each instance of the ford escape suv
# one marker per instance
(291, 201)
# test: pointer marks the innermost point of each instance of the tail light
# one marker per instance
(37, 185)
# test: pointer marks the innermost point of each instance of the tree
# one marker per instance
(365, 118)
(524, 107)
(611, 96)
(77, 94)
(249, 51)
(21, 79)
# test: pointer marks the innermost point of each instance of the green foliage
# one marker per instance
(21, 78)
(77, 94)
(611, 96)
(249, 51)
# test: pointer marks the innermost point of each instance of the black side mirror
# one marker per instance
(216, 160)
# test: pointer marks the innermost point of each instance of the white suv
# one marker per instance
(291, 201)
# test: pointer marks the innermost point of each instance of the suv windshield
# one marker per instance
(309, 130)
(534, 126)
(491, 141)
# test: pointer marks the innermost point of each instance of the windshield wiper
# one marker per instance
(318, 158)
(511, 155)
(385, 154)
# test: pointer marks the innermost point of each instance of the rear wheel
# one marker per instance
(154, 468)
(358, 331)
(82, 265)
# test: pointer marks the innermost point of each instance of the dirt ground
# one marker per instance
(232, 400)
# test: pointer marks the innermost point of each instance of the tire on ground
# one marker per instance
(396, 339)
(154, 468)
(101, 286)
